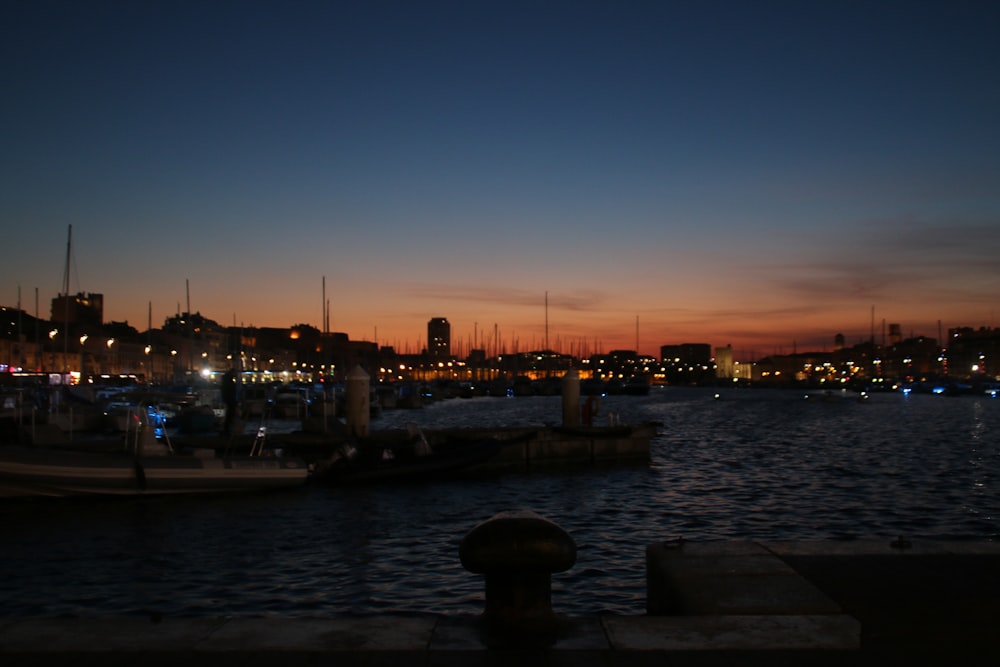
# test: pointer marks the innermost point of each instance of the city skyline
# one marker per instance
(762, 177)
(438, 334)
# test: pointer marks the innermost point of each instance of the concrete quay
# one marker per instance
(524, 449)
(729, 603)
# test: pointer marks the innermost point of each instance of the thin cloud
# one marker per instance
(875, 257)
(966, 235)
(579, 300)
(833, 281)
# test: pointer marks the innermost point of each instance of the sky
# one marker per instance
(594, 175)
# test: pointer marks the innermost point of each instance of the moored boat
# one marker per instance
(197, 419)
(143, 465)
(43, 471)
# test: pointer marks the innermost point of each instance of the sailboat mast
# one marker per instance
(38, 334)
(69, 246)
(17, 359)
(546, 320)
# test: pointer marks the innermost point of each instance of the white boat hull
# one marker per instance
(31, 471)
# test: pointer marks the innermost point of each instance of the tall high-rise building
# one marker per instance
(439, 337)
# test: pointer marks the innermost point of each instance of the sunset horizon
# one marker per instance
(760, 177)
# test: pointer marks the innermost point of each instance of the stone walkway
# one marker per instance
(733, 603)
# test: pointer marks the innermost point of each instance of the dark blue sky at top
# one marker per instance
(764, 124)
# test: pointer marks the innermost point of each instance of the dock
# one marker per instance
(872, 602)
(524, 449)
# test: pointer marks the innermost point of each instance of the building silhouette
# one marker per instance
(439, 337)
(77, 344)
(687, 363)
(78, 309)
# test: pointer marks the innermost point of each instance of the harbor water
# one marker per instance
(750, 464)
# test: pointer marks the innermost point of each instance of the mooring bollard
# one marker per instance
(571, 399)
(358, 402)
(518, 552)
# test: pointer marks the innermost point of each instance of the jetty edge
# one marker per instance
(519, 449)
(928, 602)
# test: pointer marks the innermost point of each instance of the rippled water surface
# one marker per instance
(754, 464)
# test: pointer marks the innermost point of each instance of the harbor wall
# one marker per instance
(831, 602)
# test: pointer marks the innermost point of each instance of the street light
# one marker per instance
(83, 339)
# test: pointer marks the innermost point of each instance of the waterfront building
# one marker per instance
(439, 338)
(973, 352)
(534, 365)
(913, 358)
(615, 365)
(808, 368)
(20, 340)
(687, 363)
(688, 354)
(201, 344)
(264, 350)
(78, 309)
(724, 363)
(77, 344)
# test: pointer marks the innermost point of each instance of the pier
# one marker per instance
(734, 603)
(522, 449)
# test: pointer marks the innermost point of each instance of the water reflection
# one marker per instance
(755, 465)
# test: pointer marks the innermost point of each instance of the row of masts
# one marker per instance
(579, 349)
